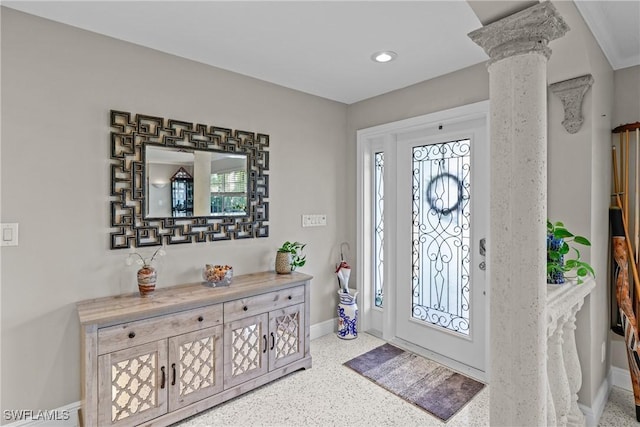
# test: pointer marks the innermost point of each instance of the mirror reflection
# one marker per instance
(191, 183)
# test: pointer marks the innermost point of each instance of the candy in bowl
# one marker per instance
(217, 275)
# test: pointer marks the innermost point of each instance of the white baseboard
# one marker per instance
(65, 416)
(593, 413)
(323, 328)
(621, 378)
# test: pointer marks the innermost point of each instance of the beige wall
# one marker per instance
(579, 176)
(626, 109)
(626, 106)
(58, 85)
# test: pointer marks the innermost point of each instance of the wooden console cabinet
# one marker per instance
(154, 361)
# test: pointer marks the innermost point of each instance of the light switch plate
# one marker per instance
(314, 220)
(9, 234)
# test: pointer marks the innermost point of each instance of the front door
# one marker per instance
(442, 219)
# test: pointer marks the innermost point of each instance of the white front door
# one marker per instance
(441, 221)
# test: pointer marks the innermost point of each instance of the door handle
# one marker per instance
(483, 252)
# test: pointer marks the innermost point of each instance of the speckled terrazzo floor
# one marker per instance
(330, 394)
(620, 410)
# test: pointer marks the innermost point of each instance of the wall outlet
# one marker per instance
(316, 220)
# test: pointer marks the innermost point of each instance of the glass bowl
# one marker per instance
(217, 275)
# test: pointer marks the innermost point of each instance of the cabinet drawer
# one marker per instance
(130, 334)
(258, 304)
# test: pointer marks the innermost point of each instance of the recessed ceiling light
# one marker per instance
(384, 56)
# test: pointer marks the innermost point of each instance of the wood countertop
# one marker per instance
(123, 308)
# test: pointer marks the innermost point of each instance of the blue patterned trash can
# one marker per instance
(347, 316)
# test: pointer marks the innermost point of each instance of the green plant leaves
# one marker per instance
(293, 249)
(562, 233)
(582, 240)
(556, 262)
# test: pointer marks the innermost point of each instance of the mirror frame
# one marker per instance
(129, 135)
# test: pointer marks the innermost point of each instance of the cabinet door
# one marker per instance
(245, 349)
(132, 384)
(195, 366)
(286, 335)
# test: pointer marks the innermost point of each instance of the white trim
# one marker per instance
(71, 408)
(620, 378)
(444, 117)
(321, 329)
(593, 413)
(371, 317)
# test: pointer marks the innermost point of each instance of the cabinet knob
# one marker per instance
(200, 318)
(245, 308)
(132, 334)
(290, 297)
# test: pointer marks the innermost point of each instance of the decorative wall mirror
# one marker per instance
(176, 182)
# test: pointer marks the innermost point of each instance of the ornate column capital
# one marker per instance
(571, 93)
(528, 31)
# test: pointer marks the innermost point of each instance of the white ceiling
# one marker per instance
(616, 26)
(318, 47)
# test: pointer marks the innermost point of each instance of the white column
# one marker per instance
(202, 183)
(517, 46)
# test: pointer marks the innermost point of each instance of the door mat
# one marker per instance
(422, 382)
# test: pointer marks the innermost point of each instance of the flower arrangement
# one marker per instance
(131, 258)
(559, 243)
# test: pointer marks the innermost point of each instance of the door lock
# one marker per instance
(483, 252)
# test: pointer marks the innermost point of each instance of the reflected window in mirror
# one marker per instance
(229, 188)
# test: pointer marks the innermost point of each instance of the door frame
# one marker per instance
(385, 135)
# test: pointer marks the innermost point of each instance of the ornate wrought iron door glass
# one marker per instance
(441, 217)
(378, 210)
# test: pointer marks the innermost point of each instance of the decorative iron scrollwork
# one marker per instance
(130, 133)
(441, 221)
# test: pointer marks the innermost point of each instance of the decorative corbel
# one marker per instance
(571, 93)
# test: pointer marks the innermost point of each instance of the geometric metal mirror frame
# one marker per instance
(130, 134)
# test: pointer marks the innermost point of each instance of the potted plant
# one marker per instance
(289, 257)
(559, 244)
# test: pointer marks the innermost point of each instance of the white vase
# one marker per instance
(347, 316)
